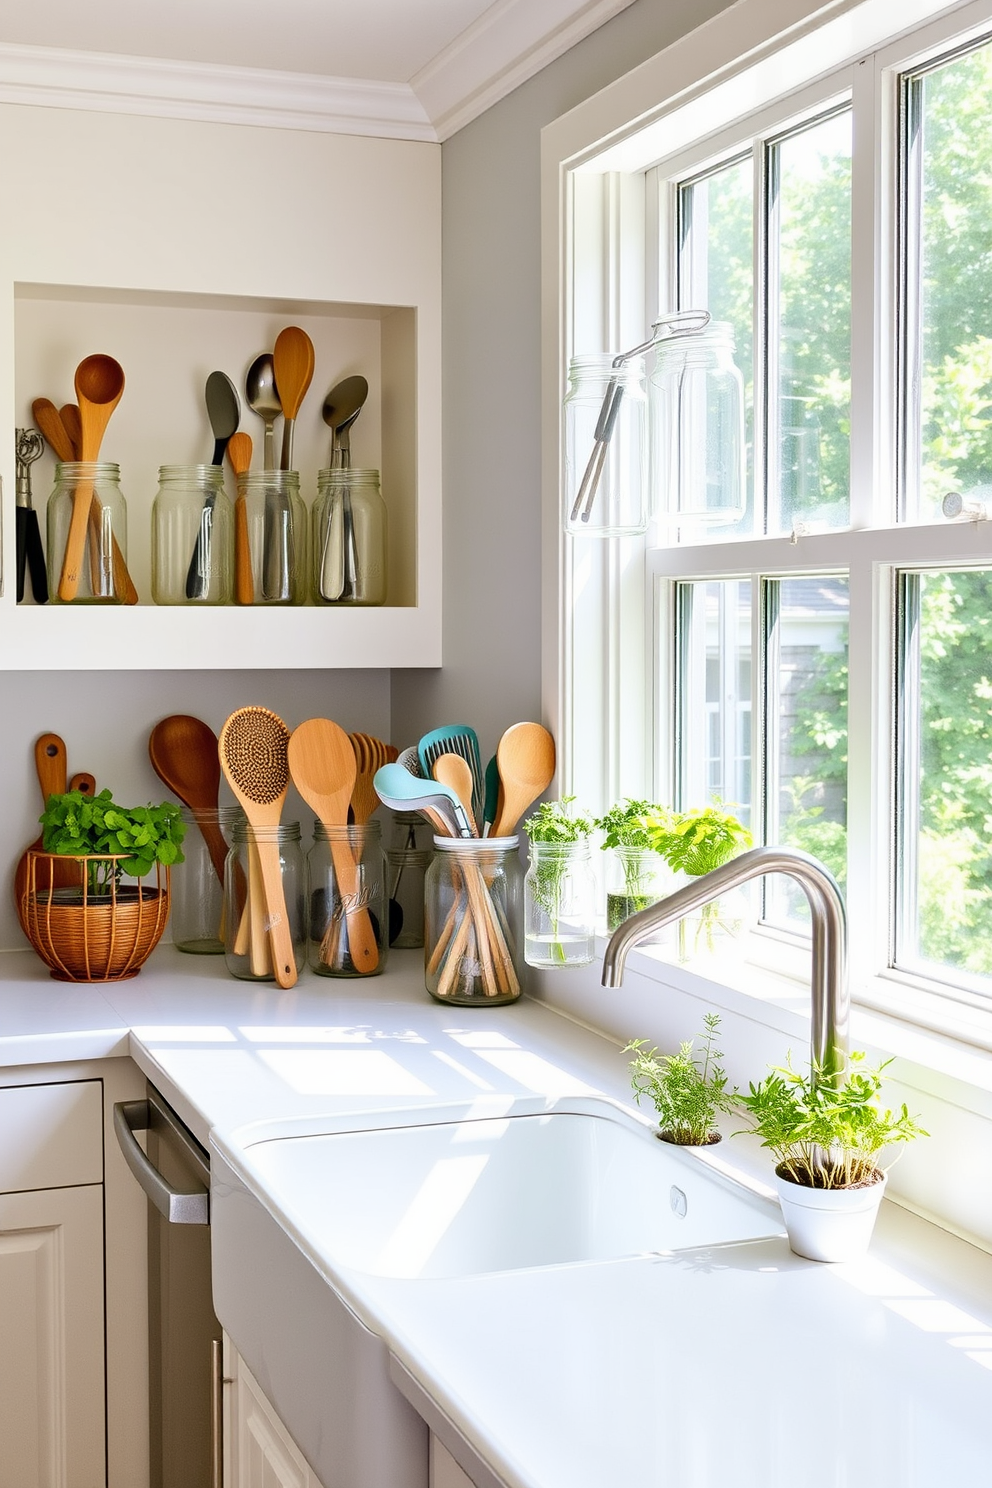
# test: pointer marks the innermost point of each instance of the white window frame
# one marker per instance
(605, 601)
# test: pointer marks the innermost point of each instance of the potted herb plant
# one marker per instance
(693, 843)
(687, 1089)
(827, 1135)
(637, 875)
(103, 929)
(559, 890)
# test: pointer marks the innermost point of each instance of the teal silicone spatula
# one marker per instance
(455, 738)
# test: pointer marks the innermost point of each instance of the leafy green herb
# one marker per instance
(827, 1133)
(696, 842)
(138, 837)
(625, 828)
(625, 824)
(555, 826)
(687, 1088)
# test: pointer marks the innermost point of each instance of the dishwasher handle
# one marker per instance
(177, 1207)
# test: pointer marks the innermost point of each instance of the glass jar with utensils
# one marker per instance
(473, 912)
(249, 910)
(87, 534)
(192, 537)
(348, 543)
(197, 918)
(407, 863)
(606, 448)
(348, 900)
(273, 524)
(696, 398)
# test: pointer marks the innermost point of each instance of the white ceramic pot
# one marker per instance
(829, 1224)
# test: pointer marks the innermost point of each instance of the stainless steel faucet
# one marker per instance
(830, 993)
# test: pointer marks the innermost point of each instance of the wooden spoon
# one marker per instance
(99, 384)
(50, 765)
(183, 752)
(73, 426)
(526, 761)
(323, 766)
(239, 455)
(454, 770)
(254, 757)
(292, 363)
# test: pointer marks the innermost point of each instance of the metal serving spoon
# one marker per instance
(339, 561)
(224, 413)
(263, 399)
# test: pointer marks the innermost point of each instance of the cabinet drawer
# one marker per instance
(51, 1136)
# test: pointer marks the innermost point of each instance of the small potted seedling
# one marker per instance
(638, 876)
(687, 1089)
(101, 929)
(827, 1135)
(559, 890)
(693, 843)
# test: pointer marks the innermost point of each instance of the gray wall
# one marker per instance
(491, 675)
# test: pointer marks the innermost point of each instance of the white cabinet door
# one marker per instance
(260, 1451)
(51, 1326)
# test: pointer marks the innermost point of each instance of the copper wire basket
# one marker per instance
(86, 936)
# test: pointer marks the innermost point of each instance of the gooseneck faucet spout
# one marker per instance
(829, 988)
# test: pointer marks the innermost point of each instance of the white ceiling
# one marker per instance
(410, 68)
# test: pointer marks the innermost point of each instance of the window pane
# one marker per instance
(807, 732)
(945, 773)
(714, 692)
(810, 331)
(716, 273)
(949, 113)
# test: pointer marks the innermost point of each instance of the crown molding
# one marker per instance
(506, 46)
(106, 83)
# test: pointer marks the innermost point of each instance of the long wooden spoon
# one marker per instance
(253, 755)
(526, 761)
(50, 765)
(455, 770)
(99, 383)
(323, 765)
(183, 752)
(239, 454)
(292, 363)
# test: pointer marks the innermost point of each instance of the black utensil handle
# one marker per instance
(35, 557)
(22, 547)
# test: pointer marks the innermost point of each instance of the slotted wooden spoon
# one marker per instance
(526, 761)
(99, 384)
(253, 756)
(323, 766)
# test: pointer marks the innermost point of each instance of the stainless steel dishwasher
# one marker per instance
(184, 1336)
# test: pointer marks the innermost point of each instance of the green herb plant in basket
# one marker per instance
(559, 891)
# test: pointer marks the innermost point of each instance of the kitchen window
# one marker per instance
(824, 664)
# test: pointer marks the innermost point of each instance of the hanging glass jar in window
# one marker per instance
(697, 424)
(606, 422)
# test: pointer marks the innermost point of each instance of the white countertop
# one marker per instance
(737, 1364)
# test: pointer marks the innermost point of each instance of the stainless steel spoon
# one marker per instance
(339, 561)
(224, 413)
(263, 399)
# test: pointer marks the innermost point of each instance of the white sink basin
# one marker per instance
(462, 1198)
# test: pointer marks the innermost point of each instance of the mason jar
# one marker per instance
(559, 905)
(605, 480)
(87, 534)
(407, 868)
(635, 878)
(192, 537)
(248, 913)
(348, 933)
(274, 523)
(197, 917)
(697, 426)
(714, 927)
(473, 912)
(348, 543)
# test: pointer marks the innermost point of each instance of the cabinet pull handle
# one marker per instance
(216, 1413)
(177, 1207)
